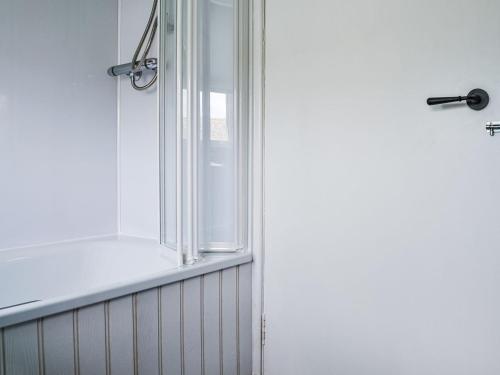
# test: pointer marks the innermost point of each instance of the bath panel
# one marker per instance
(60, 351)
(229, 321)
(211, 323)
(193, 326)
(91, 325)
(244, 320)
(147, 333)
(171, 333)
(21, 350)
(2, 363)
(120, 336)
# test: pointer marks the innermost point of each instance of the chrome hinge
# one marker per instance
(263, 329)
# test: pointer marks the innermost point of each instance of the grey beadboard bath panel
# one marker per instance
(197, 326)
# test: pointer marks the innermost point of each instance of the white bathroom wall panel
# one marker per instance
(138, 134)
(380, 254)
(57, 120)
(174, 329)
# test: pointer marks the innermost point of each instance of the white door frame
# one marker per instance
(257, 44)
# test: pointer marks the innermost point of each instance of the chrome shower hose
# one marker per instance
(150, 30)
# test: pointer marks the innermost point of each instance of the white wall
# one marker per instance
(382, 253)
(57, 120)
(60, 124)
(138, 134)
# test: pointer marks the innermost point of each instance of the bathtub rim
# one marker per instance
(210, 263)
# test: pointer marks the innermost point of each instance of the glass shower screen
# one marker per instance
(204, 125)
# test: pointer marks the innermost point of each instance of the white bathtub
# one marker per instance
(43, 280)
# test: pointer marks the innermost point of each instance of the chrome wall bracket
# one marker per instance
(493, 127)
(150, 63)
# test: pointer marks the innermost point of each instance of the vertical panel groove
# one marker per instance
(41, 348)
(160, 334)
(107, 340)
(221, 345)
(238, 367)
(76, 343)
(134, 333)
(202, 323)
(244, 318)
(2, 352)
(183, 364)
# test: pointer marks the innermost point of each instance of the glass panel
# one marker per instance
(216, 210)
(168, 105)
(219, 145)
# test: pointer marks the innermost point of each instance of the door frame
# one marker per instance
(256, 222)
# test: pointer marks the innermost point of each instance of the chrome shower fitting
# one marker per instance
(150, 29)
(126, 69)
(136, 68)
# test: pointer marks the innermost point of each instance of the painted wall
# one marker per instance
(380, 254)
(57, 120)
(197, 326)
(137, 134)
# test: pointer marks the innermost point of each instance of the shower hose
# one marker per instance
(150, 30)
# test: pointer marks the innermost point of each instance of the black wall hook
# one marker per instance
(477, 99)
